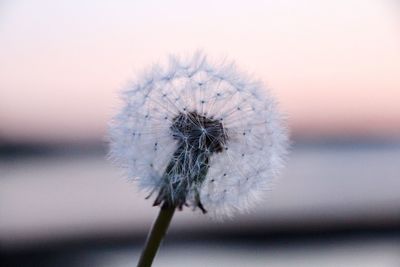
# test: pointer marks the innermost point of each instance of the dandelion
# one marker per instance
(200, 135)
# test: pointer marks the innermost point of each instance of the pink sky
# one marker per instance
(335, 67)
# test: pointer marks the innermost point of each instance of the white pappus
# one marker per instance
(199, 134)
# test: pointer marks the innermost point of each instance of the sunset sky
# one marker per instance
(334, 65)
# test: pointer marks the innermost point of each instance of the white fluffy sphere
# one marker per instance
(200, 134)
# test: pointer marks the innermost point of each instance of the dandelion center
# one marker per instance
(198, 132)
(198, 138)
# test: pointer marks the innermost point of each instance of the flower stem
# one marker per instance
(156, 235)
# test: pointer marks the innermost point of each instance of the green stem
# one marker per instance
(156, 235)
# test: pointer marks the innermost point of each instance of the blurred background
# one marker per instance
(333, 65)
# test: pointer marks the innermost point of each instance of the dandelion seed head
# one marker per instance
(199, 134)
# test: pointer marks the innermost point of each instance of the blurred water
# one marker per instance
(372, 253)
(63, 197)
